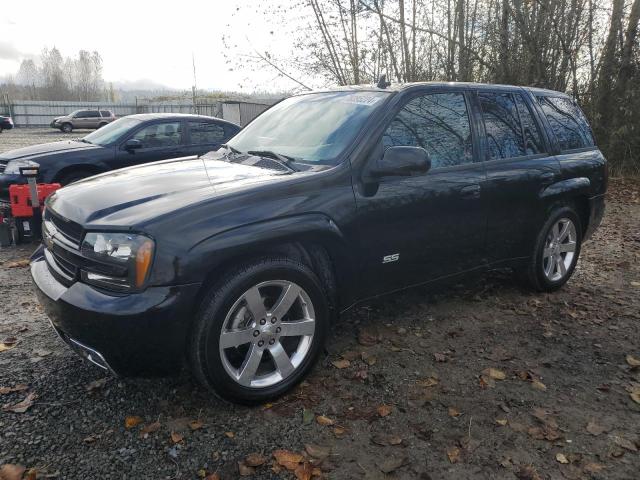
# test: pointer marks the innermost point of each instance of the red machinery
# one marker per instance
(17, 220)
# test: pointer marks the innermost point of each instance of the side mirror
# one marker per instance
(401, 161)
(132, 144)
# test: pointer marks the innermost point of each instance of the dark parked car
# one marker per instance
(5, 123)
(238, 260)
(128, 141)
(85, 119)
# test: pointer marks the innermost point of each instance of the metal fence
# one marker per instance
(40, 113)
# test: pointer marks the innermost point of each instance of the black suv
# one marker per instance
(240, 259)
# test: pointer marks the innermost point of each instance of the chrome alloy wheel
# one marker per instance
(267, 333)
(559, 249)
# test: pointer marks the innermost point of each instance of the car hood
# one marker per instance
(131, 196)
(55, 148)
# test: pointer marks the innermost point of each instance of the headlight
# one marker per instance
(118, 261)
(13, 167)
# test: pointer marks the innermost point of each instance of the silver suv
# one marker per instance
(83, 119)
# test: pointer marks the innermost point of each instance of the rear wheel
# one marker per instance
(259, 331)
(556, 252)
(102, 124)
(66, 128)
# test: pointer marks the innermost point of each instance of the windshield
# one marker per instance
(112, 132)
(315, 127)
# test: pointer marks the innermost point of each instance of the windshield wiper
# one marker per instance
(229, 147)
(283, 160)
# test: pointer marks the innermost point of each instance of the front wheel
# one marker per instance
(66, 128)
(556, 251)
(259, 331)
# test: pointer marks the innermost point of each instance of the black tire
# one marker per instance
(73, 176)
(204, 353)
(533, 273)
(102, 125)
(66, 128)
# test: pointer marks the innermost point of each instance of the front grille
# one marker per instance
(71, 231)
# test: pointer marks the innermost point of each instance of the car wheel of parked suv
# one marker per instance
(556, 251)
(259, 330)
(66, 128)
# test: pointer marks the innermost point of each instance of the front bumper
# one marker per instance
(138, 334)
(7, 125)
(55, 124)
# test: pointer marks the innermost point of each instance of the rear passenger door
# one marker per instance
(519, 164)
(427, 225)
(205, 136)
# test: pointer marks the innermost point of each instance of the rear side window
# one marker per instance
(437, 122)
(567, 122)
(105, 113)
(92, 114)
(502, 125)
(530, 130)
(206, 132)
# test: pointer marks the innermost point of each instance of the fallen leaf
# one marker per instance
(593, 467)
(304, 471)
(594, 429)
(625, 443)
(339, 431)
(288, 459)
(212, 476)
(384, 410)
(368, 358)
(454, 454)
(453, 412)
(322, 420)
(429, 382)
(96, 384)
(560, 457)
(151, 428)
(528, 472)
(17, 388)
(494, 373)
(538, 385)
(501, 421)
(486, 382)
(635, 394)
(317, 451)
(229, 434)
(176, 437)
(367, 337)
(22, 406)
(255, 460)
(384, 440)
(393, 463)
(18, 263)
(90, 439)
(196, 425)
(340, 364)
(10, 471)
(245, 470)
(632, 361)
(307, 416)
(440, 357)
(132, 421)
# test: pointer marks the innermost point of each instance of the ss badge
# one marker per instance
(391, 258)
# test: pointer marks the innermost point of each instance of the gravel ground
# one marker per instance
(471, 381)
(23, 137)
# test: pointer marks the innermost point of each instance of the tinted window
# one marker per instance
(437, 122)
(532, 137)
(105, 113)
(93, 114)
(160, 135)
(82, 114)
(206, 132)
(567, 122)
(502, 125)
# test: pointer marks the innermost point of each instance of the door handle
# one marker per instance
(547, 177)
(470, 191)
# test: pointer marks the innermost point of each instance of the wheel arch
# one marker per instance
(82, 167)
(574, 192)
(313, 239)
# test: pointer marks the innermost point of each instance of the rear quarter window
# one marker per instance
(203, 133)
(568, 123)
(105, 113)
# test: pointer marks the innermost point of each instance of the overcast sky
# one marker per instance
(148, 40)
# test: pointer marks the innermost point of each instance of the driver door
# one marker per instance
(428, 225)
(160, 141)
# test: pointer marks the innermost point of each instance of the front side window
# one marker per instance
(502, 125)
(437, 122)
(567, 122)
(205, 133)
(160, 135)
(316, 127)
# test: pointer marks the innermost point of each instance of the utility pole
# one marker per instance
(194, 88)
